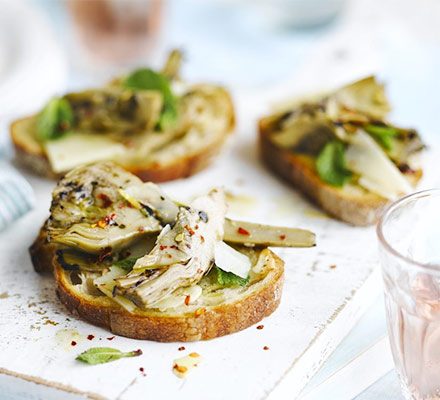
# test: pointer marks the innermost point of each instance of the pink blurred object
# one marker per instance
(116, 32)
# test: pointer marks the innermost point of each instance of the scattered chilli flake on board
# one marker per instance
(183, 365)
(111, 338)
(266, 348)
(181, 348)
(90, 337)
(260, 327)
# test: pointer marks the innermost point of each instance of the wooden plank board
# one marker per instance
(326, 290)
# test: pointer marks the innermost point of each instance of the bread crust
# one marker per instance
(32, 156)
(360, 209)
(215, 321)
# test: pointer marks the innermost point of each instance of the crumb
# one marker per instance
(260, 326)
(90, 337)
(181, 348)
(265, 348)
(50, 322)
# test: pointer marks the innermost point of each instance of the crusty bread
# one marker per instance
(350, 204)
(30, 153)
(197, 321)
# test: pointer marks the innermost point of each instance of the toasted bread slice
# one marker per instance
(181, 158)
(229, 310)
(351, 204)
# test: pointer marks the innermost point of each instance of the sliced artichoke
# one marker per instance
(149, 198)
(241, 232)
(189, 246)
(113, 232)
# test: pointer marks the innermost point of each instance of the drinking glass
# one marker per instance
(409, 246)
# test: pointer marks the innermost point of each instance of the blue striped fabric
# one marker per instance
(16, 195)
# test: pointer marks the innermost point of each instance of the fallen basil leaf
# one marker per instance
(330, 164)
(101, 355)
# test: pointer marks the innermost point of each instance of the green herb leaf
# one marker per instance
(384, 135)
(330, 164)
(228, 279)
(127, 263)
(55, 119)
(101, 355)
(147, 79)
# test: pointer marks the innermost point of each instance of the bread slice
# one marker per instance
(181, 158)
(351, 204)
(236, 308)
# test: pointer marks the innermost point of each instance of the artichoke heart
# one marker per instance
(182, 254)
(114, 231)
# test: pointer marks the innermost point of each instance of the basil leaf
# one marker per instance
(55, 119)
(101, 355)
(147, 79)
(228, 279)
(330, 164)
(126, 264)
(384, 135)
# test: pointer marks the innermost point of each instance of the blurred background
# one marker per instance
(261, 49)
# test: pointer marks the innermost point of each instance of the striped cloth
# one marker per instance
(16, 194)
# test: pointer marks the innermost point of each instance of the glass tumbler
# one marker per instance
(409, 246)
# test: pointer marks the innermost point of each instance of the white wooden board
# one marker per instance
(326, 290)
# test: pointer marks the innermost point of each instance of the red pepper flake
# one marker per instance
(173, 246)
(333, 266)
(137, 352)
(162, 247)
(111, 338)
(199, 312)
(73, 343)
(260, 327)
(181, 348)
(142, 371)
(196, 227)
(107, 220)
(187, 300)
(105, 200)
(189, 229)
(243, 231)
(265, 348)
(90, 337)
(141, 229)
(282, 237)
